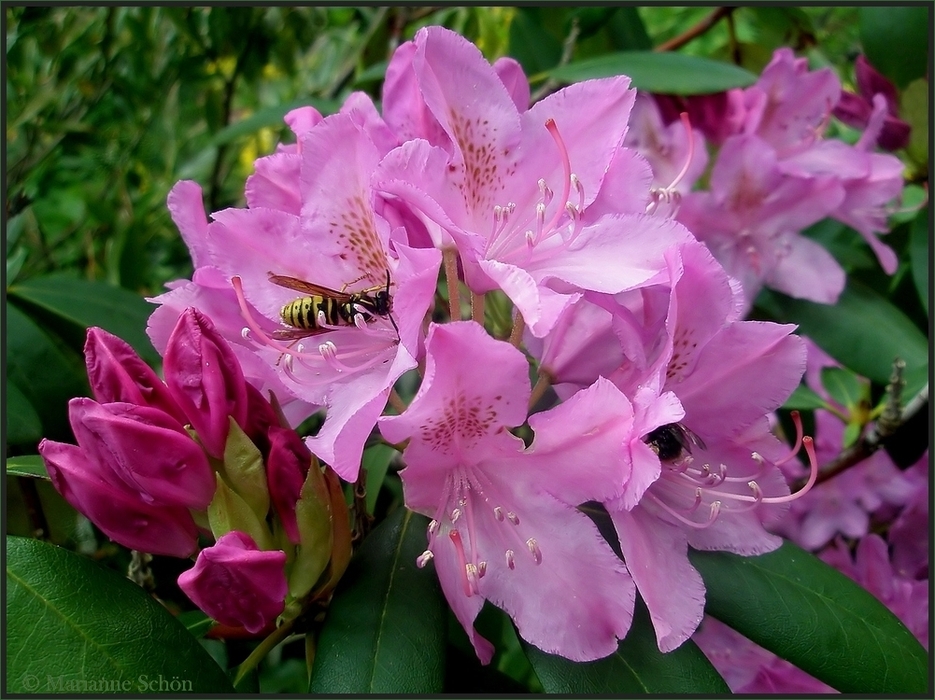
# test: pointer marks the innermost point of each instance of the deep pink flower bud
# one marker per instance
(117, 511)
(856, 110)
(238, 584)
(261, 416)
(286, 469)
(205, 379)
(117, 373)
(145, 451)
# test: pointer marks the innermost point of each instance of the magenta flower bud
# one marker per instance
(117, 373)
(856, 110)
(286, 469)
(261, 417)
(116, 510)
(205, 379)
(145, 451)
(238, 584)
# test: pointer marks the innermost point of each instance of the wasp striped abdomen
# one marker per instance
(322, 309)
(303, 313)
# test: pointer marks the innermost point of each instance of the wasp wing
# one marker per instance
(297, 285)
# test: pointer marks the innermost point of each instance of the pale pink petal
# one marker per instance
(513, 77)
(539, 305)
(188, 212)
(274, 183)
(807, 271)
(656, 554)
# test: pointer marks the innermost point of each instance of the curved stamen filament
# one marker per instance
(691, 153)
(799, 432)
(566, 171)
(715, 508)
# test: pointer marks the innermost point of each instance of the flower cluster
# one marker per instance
(160, 465)
(614, 377)
(775, 175)
(324, 283)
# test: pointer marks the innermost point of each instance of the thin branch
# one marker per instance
(889, 422)
(696, 31)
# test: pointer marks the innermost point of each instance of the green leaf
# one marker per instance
(793, 604)
(535, 48)
(920, 253)
(843, 386)
(385, 630)
(664, 72)
(637, 667)
(46, 374)
(863, 331)
(895, 40)
(75, 627)
(914, 109)
(269, 117)
(23, 423)
(87, 303)
(26, 465)
(376, 462)
(804, 399)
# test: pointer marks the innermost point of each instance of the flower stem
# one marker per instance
(477, 307)
(538, 391)
(396, 401)
(264, 648)
(450, 257)
(519, 325)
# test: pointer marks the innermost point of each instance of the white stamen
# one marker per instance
(424, 558)
(534, 549)
(509, 559)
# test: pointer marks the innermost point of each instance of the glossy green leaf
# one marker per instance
(843, 386)
(920, 252)
(863, 331)
(804, 399)
(45, 372)
(386, 627)
(26, 465)
(76, 627)
(798, 607)
(895, 40)
(376, 461)
(86, 303)
(22, 421)
(636, 667)
(664, 72)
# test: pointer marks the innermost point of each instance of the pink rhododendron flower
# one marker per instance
(715, 480)
(511, 188)
(338, 242)
(238, 584)
(752, 217)
(676, 151)
(503, 528)
(789, 104)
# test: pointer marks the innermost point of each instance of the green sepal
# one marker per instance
(244, 470)
(316, 534)
(228, 512)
